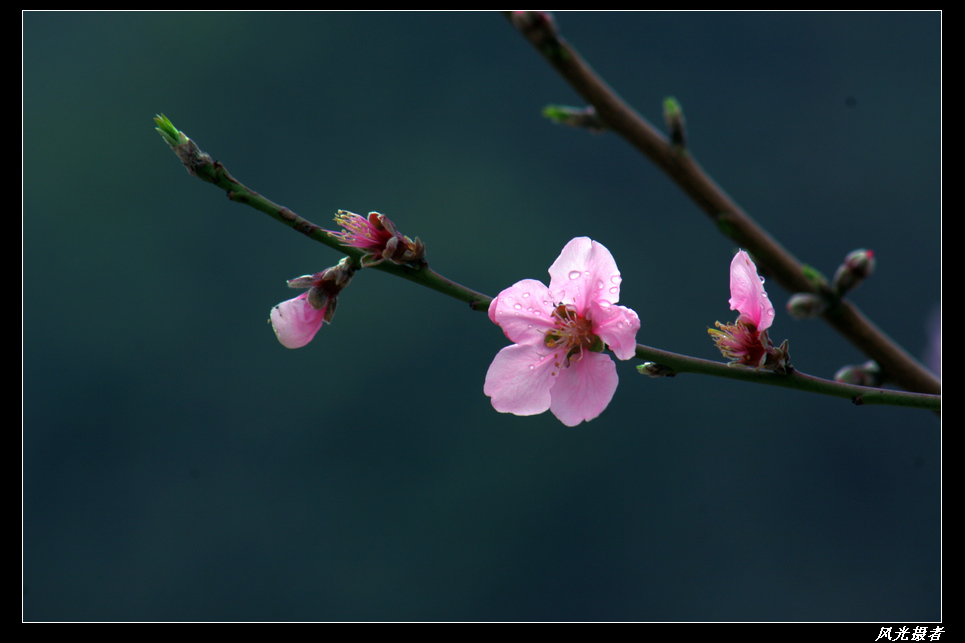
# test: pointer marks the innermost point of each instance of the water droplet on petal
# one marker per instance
(517, 306)
(525, 295)
(616, 279)
(599, 285)
(614, 290)
(574, 274)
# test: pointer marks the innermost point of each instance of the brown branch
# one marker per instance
(779, 264)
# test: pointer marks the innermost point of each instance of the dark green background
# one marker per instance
(179, 464)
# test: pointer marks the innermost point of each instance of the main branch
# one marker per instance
(896, 364)
(202, 165)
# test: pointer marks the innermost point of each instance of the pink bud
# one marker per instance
(857, 266)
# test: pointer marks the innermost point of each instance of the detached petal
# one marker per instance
(296, 321)
(747, 292)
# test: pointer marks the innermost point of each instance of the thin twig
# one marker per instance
(666, 364)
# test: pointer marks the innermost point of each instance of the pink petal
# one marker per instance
(523, 311)
(296, 321)
(584, 389)
(585, 271)
(617, 326)
(520, 378)
(747, 292)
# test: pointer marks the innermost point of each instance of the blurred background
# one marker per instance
(180, 464)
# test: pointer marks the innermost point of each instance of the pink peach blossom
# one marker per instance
(745, 341)
(297, 320)
(379, 238)
(559, 332)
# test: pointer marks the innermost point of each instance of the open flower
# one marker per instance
(297, 320)
(556, 362)
(745, 341)
(378, 237)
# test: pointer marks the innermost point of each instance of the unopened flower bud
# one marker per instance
(584, 117)
(172, 135)
(674, 117)
(867, 374)
(540, 29)
(805, 305)
(655, 370)
(858, 265)
(540, 22)
(187, 150)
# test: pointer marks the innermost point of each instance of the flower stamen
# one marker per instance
(573, 333)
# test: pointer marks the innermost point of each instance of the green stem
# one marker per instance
(201, 165)
(896, 364)
(674, 363)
